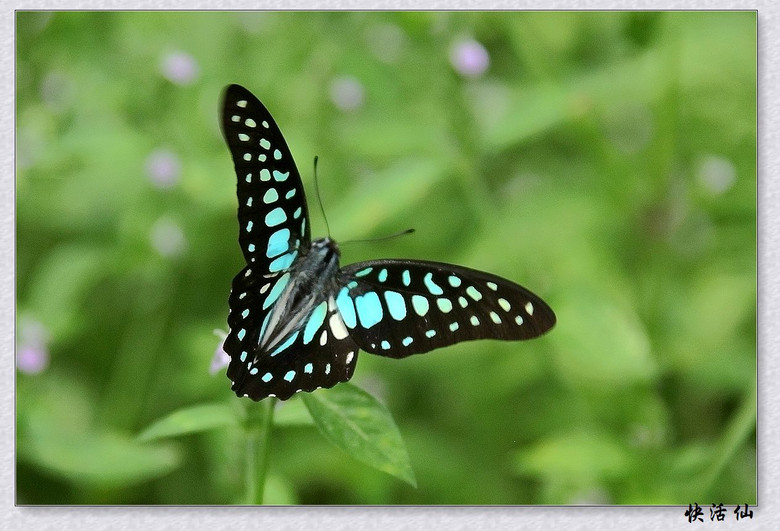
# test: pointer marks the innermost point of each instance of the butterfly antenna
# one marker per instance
(380, 239)
(319, 198)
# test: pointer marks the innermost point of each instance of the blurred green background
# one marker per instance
(606, 161)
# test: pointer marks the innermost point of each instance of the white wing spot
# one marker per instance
(250, 123)
(474, 321)
(337, 327)
(495, 318)
(504, 304)
(243, 137)
(350, 357)
(323, 338)
(264, 288)
(529, 308)
(519, 319)
(248, 272)
(241, 103)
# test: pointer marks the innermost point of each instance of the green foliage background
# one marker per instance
(607, 161)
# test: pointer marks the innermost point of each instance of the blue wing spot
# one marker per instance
(495, 318)
(265, 175)
(249, 201)
(444, 305)
(265, 324)
(270, 196)
(265, 144)
(504, 304)
(283, 262)
(474, 321)
(327, 368)
(519, 319)
(251, 247)
(454, 281)
(277, 154)
(430, 333)
(493, 286)
(249, 226)
(463, 302)
(308, 368)
(281, 283)
(420, 305)
(407, 341)
(281, 177)
(245, 313)
(286, 344)
(247, 157)
(473, 293)
(289, 194)
(369, 309)
(248, 177)
(352, 284)
(297, 212)
(385, 345)
(275, 217)
(364, 272)
(253, 371)
(382, 276)
(346, 307)
(278, 243)
(406, 278)
(396, 305)
(431, 285)
(241, 334)
(316, 319)
(267, 377)
(243, 356)
(454, 326)
(290, 376)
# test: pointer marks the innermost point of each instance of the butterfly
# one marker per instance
(297, 319)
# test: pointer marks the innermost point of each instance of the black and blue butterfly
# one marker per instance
(297, 320)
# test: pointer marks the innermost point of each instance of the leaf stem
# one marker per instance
(258, 448)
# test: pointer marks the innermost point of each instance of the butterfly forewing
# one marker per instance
(272, 214)
(396, 308)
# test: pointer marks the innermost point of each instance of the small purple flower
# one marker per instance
(220, 359)
(163, 168)
(179, 68)
(469, 58)
(347, 93)
(167, 237)
(32, 353)
(716, 174)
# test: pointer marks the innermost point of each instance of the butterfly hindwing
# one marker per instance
(272, 214)
(396, 308)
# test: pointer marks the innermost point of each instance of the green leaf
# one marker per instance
(360, 425)
(99, 459)
(193, 419)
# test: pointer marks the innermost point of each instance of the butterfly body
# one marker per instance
(297, 319)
